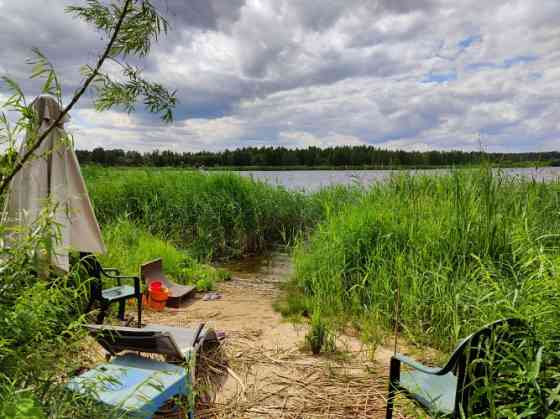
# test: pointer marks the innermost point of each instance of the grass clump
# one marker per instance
(320, 338)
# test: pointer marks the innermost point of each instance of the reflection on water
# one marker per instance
(274, 267)
(313, 180)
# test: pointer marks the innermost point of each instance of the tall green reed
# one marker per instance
(215, 215)
(437, 238)
(463, 249)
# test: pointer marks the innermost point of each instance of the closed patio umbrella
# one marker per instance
(53, 175)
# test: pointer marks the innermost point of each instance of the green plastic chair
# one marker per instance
(107, 296)
(448, 391)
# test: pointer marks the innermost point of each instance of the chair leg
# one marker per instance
(394, 376)
(102, 312)
(89, 306)
(122, 304)
(139, 305)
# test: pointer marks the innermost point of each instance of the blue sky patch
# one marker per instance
(468, 41)
(521, 59)
(507, 63)
(439, 77)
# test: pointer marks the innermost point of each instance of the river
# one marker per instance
(313, 180)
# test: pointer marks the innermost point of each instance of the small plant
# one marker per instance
(204, 284)
(320, 338)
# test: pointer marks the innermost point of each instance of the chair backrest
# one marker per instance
(117, 339)
(91, 264)
(153, 271)
(475, 359)
(93, 269)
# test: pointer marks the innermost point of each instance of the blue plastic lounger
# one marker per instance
(137, 386)
(133, 385)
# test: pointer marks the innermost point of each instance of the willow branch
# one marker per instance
(6, 181)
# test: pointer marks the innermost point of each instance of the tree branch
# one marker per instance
(6, 181)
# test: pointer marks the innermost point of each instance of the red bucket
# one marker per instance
(157, 295)
(155, 286)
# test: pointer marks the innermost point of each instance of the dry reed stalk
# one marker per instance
(297, 387)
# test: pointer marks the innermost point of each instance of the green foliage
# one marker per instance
(25, 407)
(464, 249)
(340, 157)
(141, 24)
(40, 324)
(213, 215)
(320, 338)
(128, 246)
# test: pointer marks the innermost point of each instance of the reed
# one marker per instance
(463, 250)
(217, 215)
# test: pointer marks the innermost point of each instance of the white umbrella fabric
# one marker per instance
(53, 175)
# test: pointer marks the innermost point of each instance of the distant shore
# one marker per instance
(504, 165)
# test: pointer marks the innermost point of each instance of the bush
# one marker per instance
(40, 328)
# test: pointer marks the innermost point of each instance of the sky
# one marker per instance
(397, 74)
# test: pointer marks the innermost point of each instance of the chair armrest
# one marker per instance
(135, 278)
(417, 365)
(116, 275)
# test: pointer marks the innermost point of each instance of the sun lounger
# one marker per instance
(138, 386)
(176, 344)
(153, 271)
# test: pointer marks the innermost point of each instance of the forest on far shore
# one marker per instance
(314, 157)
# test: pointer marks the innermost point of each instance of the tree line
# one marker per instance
(344, 156)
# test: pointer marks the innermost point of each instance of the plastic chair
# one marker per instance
(448, 390)
(107, 296)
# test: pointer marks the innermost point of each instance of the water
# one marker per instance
(313, 180)
(271, 268)
(263, 274)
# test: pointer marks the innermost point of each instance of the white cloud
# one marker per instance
(301, 139)
(420, 74)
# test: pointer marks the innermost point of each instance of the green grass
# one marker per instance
(464, 250)
(129, 246)
(216, 215)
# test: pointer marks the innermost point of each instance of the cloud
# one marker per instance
(302, 139)
(411, 74)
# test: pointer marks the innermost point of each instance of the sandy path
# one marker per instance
(268, 373)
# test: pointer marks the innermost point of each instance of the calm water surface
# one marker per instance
(313, 180)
